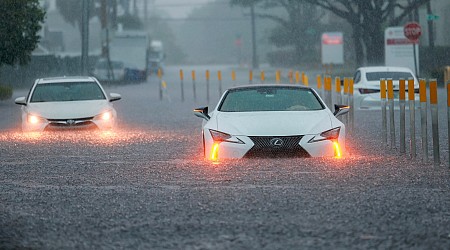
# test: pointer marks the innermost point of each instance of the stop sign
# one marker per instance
(412, 31)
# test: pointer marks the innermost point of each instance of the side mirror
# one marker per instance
(21, 100)
(340, 110)
(202, 113)
(114, 97)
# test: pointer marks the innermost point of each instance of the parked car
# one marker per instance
(61, 103)
(271, 121)
(367, 84)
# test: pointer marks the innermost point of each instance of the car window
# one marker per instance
(270, 99)
(357, 77)
(67, 91)
(376, 76)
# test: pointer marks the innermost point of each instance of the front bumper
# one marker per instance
(88, 123)
(258, 147)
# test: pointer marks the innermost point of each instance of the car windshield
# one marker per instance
(270, 99)
(376, 76)
(67, 91)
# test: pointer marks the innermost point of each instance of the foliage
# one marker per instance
(5, 92)
(71, 11)
(368, 19)
(298, 26)
(21, 21)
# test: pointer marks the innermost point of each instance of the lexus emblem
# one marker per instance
(276, 143)
(70, 122)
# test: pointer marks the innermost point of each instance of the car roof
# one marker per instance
(66, 79)
(269, 85)
(385, 69)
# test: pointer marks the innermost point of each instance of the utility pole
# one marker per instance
(255, 63)
(85, 38)
(430, 27)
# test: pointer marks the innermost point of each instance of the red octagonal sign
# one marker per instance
(412, 31)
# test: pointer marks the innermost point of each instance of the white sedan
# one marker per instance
(367, 84)
(272, 121)
(67, 103)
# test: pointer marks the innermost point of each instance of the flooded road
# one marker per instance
(146, 186)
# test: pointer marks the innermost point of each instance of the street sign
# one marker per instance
(332, 48)
(399, 49)
(412, 31)
(432, 17)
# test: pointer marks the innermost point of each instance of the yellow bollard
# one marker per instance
(434, 121)
(448, 119)
(303, 77)
(219, 77)
(402, 104)
(297, 77)
(351, 100)
(207, 85)
(391, 111)
(193, 84)
(291, 76)
(233, 75)
(250, 77)
(277, 77)
(262, 76)
(423, 118)
(160, 84)
(337, 83)
(328, 98)
(383, 111)
(306, 83)
(182, 84)
(412, 116)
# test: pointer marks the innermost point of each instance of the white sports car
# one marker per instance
(67, 103)
(272, 121)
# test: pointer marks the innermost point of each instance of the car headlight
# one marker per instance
(105, 116)
(224, 137)
(332, 135)
(34, 119)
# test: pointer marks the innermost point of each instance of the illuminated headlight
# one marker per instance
(34, 119)
(106, 116)
(224, 137)
(332, 135)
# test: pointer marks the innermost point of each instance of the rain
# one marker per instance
(150, 182)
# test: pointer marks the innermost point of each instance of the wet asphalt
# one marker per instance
(146, 186)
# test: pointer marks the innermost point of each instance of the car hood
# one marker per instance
(273, 123)
(68, 110)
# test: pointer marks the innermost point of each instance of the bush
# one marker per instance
(5, 92)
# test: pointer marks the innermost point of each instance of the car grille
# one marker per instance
(78, 124)
(270, 146)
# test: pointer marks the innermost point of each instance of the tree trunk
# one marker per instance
(359, 51)
(374, 41)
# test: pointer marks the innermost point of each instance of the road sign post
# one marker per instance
(412, 31)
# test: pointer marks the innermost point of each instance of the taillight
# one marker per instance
(368, 91)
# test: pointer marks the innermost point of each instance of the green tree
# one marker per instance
(71, 11)
(297, 27)
(21, 21)
(368, 19)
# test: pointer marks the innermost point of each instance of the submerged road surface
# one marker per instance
(146, 186)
